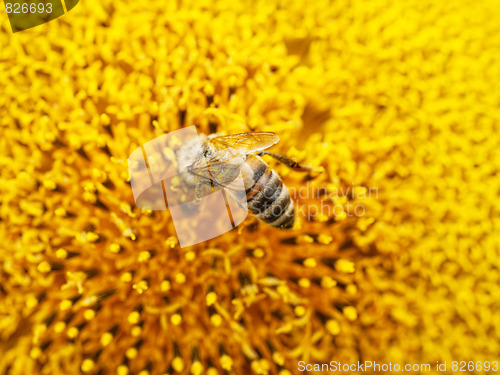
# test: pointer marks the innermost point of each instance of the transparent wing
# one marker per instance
(232, 146)
(221, 174)
(217, 175)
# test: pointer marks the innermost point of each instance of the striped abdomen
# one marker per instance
(267, 197)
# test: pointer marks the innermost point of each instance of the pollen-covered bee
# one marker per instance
(221, 159)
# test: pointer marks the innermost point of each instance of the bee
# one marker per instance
(221, 159)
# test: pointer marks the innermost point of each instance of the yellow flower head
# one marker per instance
(393, 256)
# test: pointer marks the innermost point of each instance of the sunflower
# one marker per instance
(393, 256)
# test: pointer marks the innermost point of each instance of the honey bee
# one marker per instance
(221, 159)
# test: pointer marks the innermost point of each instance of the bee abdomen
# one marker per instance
(271, 203)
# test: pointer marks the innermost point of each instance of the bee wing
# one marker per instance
(235, 145)
(221, 174)
(218, 175)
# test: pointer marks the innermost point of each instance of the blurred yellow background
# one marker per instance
(401, 97)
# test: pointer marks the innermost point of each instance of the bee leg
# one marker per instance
(290, 163)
